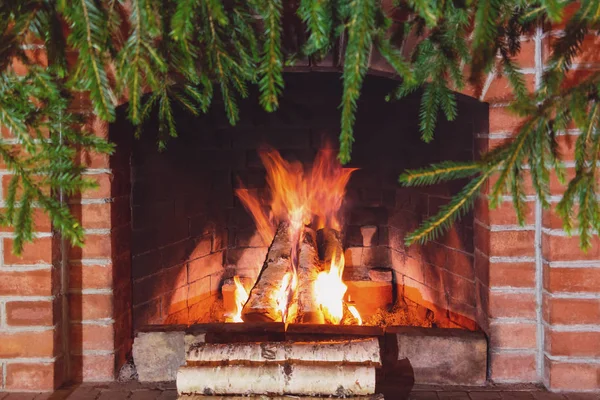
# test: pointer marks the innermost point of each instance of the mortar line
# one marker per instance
(539, 69)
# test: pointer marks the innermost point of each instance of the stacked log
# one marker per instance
(304, 308)
(334, 368)
(262, 302)
(330, 246)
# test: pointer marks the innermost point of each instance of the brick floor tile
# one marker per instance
(583, 396)
(114, 395)
(420, 395)
(544, 395)
(168, 395)
(84, 392)
(487, 395)
(20, 396)
(517, 396)
(145, 395)
(453, 395)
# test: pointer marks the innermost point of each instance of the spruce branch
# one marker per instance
(360, 24)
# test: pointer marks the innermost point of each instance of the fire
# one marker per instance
(240, 296)
(330, 291)
(282, 296)
(301, 197)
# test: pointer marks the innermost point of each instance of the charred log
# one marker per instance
(330, 246)
(262, 304)
(305, 307)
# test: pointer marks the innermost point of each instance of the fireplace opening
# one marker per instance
(224, 203)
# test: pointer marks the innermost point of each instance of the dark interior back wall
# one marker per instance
(189, 231)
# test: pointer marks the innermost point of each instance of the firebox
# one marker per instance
(259, 221)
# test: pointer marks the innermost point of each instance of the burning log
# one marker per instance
(331, 250)
(363, 352)
(274, 379)
(305, 307)
(265, 302)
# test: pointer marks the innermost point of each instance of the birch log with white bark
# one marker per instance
(305, 308)
(330, 246)
(378, 396)
(336, 352)
(277, 379)
(262, 302)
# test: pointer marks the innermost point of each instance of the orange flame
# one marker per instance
(240, 296)
(297, 196)
(282, 296)
(330, 290)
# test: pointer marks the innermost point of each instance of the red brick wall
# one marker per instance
(538, 295)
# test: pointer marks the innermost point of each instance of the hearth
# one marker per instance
(259, 222)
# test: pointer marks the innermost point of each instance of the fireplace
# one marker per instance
(193, 237)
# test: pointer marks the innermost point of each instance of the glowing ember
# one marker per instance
(330, 291)
(355, 314)
(240, 296)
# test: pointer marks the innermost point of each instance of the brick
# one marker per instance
(26, 283)
(39, 251)
(513, 336)
(93, 159)
(460, 289)
(512, 243)
(460, 263)
(27, 344)
(175, 301)
(147, 313)
(526, 57)
(35, 56)
(571, 279)
(93, 368)
(563, 248)
(566, 146)
(502, 120)
(92, 337)
(29, 313)
(32, 376)
(353, 256)
(202, 247)
(199, 290)
(551, 219)
(93, 216)
(571, 311)
(249, 256)
(518, 274)
(505, 214)
(41, 222)
(95, 246)
(513, 305)
(90, 306)
(520, 367)
(103, 190)
(500, 90)
(575, 344)
(562, 375)
(159, 284)
(90, 276)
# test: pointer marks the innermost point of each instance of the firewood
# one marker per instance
(262, 302)
(305, 307)
(330, 246)
(338, 352)
(277, 379)
(377, 396)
